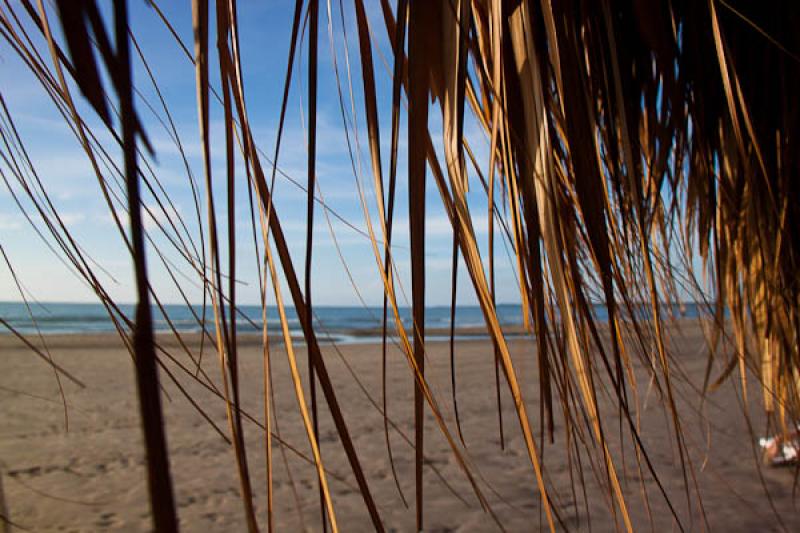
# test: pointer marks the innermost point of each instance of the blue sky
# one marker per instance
(265, 32)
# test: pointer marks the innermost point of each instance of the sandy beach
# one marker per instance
(91, 477)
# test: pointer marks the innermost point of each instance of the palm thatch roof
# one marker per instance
(626, 140)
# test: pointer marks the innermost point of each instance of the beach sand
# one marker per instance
(92, 477)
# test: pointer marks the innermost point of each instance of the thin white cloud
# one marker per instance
(11, 221)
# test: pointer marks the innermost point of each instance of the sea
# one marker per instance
(332, 323)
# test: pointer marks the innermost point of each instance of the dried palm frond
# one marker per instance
(625, 138)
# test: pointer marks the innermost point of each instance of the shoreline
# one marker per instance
(368, 335)
(250, 339)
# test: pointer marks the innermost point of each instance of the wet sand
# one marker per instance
(91, 477)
